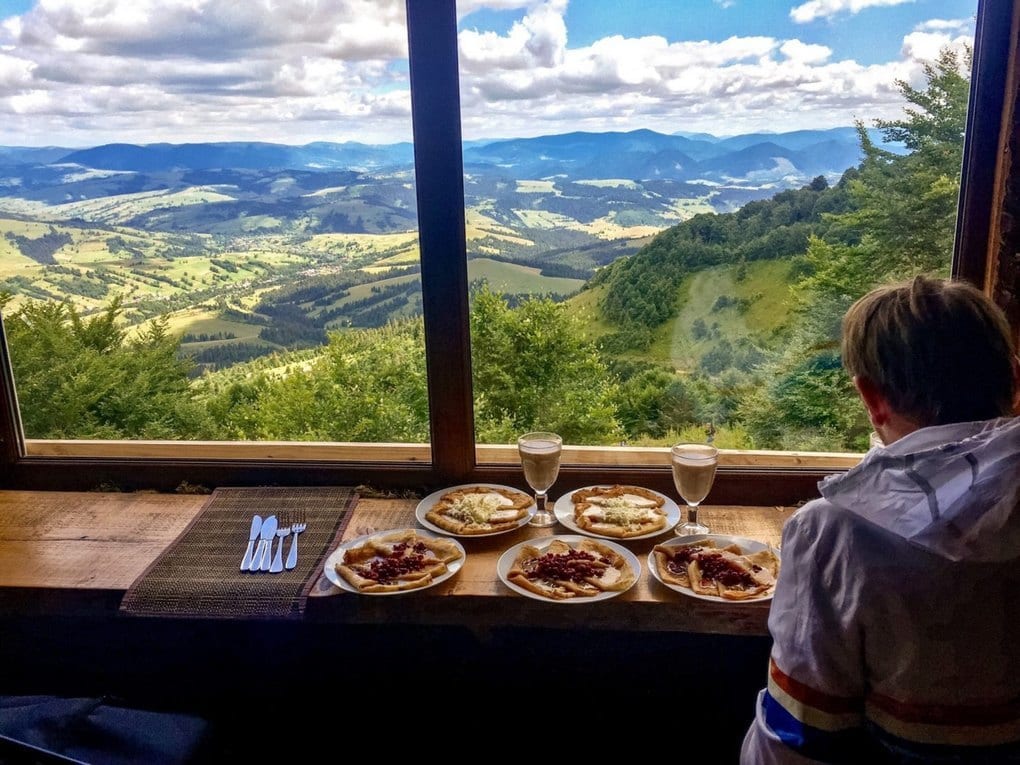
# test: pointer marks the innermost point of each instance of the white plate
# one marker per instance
(506, 561)
(426, 504)
(564, 510)
(329, 567)
(721, 540)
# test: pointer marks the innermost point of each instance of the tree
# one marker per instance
(365, 385)
(900, 223)
(653, 400)
(80, 378)
(534, 369)
(904, 206)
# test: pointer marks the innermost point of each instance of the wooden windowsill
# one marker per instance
(486, 454)
(62, 552)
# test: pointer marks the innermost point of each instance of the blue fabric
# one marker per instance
(101, 731)
(852, 746)
(836, 747)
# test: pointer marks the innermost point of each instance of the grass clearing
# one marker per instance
(765, 289)
(685, 209)
(609, 228)
(126, 206)
(585, 306)
(513, 278)
(199, 320)
(610, 183)
(481, 226)
(537, 187)
(546, 219)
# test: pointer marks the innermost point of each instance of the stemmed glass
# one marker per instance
(540, 458)
(693, 473)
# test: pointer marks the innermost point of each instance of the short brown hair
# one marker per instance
(939, 350)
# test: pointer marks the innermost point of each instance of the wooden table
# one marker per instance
(61, 550)
(66, 560)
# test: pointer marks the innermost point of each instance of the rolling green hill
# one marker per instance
(511, 278)
(743, 306)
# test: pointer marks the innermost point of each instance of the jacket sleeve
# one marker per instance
(811, 709)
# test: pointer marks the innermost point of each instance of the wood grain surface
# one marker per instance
(78, 543)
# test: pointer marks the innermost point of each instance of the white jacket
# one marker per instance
(896, 615)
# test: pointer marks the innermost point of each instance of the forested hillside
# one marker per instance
(641, 290)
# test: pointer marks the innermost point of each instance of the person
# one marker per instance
(895, 621)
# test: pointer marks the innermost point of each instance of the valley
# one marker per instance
(213, 235)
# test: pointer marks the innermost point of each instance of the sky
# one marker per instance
(84, 72)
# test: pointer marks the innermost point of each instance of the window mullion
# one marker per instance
(12, 441)
(439, 182)
(984, 143)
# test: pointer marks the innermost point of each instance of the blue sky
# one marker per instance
(870, 36)
(13, 7)
(79, 72)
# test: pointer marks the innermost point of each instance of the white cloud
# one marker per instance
(926, 46)
(771, 92)
(539, 40)
(820, 9)
(795, 50)
(289, 70)
(733, 85)
(945, 25)
(81, 72)
(466, 7)
(15, 73)
(210, 29)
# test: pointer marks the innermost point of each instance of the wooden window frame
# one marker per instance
(753, 478)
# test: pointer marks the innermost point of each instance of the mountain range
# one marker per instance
(787, 159)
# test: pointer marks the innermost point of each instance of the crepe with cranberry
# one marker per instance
(562, 570)
(395, 561)
(475, 510)
(619, 511)
(725, 572)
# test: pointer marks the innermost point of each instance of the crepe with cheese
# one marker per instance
(619, 511)
(479, 510)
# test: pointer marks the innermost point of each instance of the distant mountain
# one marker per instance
(799, 139)
(30, 155)
(784, 159)
(749, 161)
(547, 155)
(165, 157)
(698, 136)
(632, 180)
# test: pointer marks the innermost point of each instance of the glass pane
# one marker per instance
(209, 224)
(668, 213)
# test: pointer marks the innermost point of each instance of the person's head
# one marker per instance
(932, 351)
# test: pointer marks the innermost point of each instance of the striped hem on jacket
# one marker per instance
(823, 726)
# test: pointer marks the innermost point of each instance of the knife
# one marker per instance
(256, 557)
(266, 544)
(256, 524)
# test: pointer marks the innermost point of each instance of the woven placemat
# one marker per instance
(199, 574)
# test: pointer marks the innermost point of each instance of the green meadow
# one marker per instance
(513, 278)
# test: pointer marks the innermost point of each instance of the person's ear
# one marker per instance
(874, 401)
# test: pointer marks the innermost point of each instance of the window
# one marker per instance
(696, 186)
(180, 264)
(439, 156)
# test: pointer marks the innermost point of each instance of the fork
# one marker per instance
(297, 527)
(281, 531)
